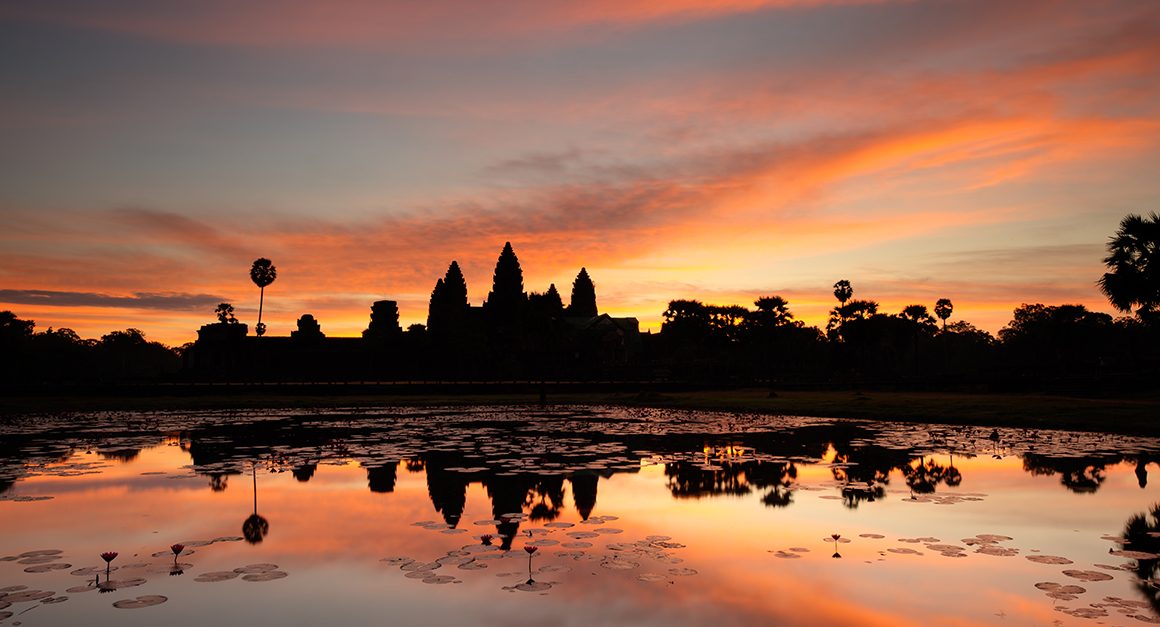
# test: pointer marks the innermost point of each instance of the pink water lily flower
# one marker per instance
(108, 556)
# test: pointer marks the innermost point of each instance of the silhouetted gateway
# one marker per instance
(514, 334)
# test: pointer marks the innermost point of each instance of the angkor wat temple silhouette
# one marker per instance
(513, 335)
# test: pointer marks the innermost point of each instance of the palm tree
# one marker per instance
(843, 291)
(917, 314)
(1134, 261)
(921, 320)
(773, 311)
(262, 273)
(225, 313)
(943, 309)
(255, 527)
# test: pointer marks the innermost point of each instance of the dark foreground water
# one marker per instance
(566, 516)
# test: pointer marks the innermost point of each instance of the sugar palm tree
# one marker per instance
(843, 291)
(917, 314)
(943, 309)
(225, 313)
(1134, 263)
(255, 527)
(262, 273)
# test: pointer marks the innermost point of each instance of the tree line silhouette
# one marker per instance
(861, 345)
(535, 336)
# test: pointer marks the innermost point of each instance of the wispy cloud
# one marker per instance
(677, 149)
(140, 300)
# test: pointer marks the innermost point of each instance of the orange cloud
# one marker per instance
(721, 185)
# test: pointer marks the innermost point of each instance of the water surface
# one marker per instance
(566, 516)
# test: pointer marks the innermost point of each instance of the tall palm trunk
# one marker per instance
(261, 301)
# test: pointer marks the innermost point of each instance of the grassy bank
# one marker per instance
(1136, 415)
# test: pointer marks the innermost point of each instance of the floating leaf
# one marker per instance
(39, 560)
(1049, 559)
(1083, 612)
(397, 560)
(1087, 575)
(256, 568)
(421, 566)
(44, 568)
(26, 595)
(266, 576)
(216, 576)
(140, 602)
(41, 553)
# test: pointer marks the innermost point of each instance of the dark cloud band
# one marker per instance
(139, 300)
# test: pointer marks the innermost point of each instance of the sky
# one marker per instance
(150, 150)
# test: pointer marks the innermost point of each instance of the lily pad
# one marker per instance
(255, 568)
(41, 553)
(25, 596)
(216, 576)
(1049, 559)
(1088, 575)
(140, 602)
(44, 568)
(266, 576)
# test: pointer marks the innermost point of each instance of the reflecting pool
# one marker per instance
(569, 516)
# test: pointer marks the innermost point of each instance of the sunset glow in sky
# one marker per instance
(981, 150)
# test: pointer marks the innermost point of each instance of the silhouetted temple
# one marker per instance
(513, 334)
